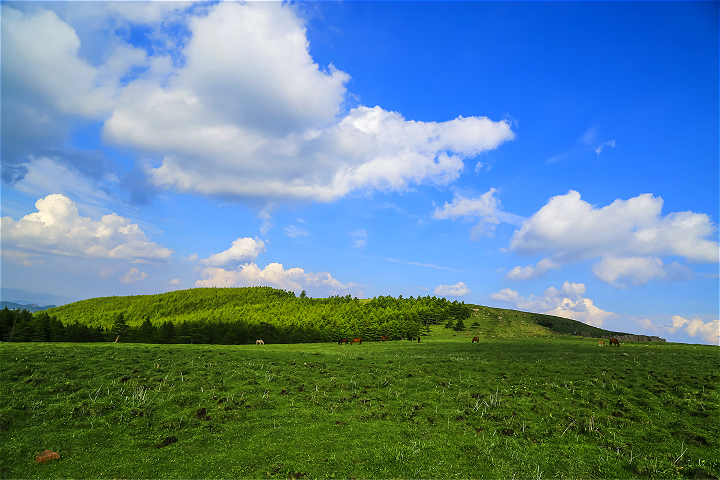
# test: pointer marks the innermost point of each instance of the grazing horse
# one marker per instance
(356, 340)
(343, 341)
(259, 342)
(383, 338)
(418, 339)
(614, 341)
(475, 339)
(601, 344)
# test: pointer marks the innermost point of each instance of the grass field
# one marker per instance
(558, 407)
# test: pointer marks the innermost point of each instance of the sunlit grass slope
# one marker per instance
(543, 407)
(340, 315)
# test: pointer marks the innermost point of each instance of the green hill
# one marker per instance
(264, 312)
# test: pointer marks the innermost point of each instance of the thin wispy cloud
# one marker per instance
(424, 265)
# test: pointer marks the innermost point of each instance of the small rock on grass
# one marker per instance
(47, 455)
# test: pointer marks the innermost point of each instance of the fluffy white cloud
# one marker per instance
(457, 290)
(629, 236)
(259, 118)
(708, 332)
(132, 276)
(529, 272)
(238, 108)
(243, 250)
(566, 302)
(41, 59)
(275, 275)
(58, 228)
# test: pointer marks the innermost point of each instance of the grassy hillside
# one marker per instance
(546, 407)
(255, 305)
(504, 323)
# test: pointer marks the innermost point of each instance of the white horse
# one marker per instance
(259, 342)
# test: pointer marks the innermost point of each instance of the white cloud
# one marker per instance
(529, 272)
(41, 59)
(629, 235)
(243, 250)
(708, 332)
(360, 237)
(277, 276)
(58, 228)
(259, 118)
(45, 176)
(293, 231)
(567, 302)
(237, 107)
(174, 282)
(21, 258)
(639, 270)
(485, 207)
(457, 290)
(132, 276)
(600, 147)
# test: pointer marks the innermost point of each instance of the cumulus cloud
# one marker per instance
(457, 290)
(259, 118)
(132, 276)
(568, 302)
(58, 228)
(38, 43)
(277, 276)
(628, 235)
(707, 331)
(529, 272)
(243, 250)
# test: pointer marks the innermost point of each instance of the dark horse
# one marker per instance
(475, 339)
(383, 338)
(343, 341)
(614, 341)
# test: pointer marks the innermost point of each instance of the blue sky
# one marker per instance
(555, 157)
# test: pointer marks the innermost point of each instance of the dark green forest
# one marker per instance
(232, 316)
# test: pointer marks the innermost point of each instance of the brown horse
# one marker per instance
(356, 340)
(614, 341)
(383, 339)
(601, 344)
(343, 341)
(475, 339)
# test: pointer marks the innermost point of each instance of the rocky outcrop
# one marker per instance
(639, 338)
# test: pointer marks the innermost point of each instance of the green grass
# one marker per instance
(549, 407)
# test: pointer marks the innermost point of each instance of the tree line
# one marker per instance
(231, 316)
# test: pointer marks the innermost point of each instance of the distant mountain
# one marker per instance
(24, 297)
(31, 307)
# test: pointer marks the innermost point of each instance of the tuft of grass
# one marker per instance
(504, 408)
